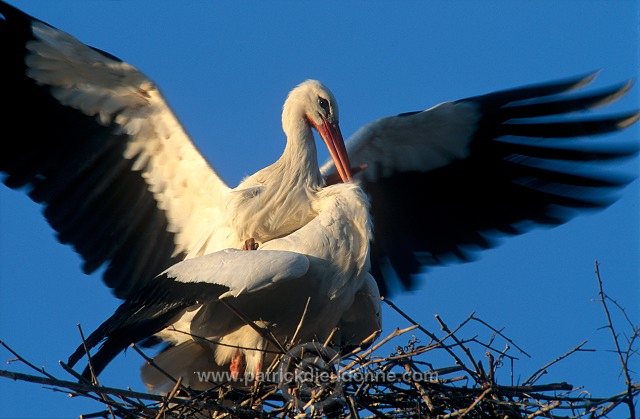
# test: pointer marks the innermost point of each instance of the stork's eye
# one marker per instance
(324, 103)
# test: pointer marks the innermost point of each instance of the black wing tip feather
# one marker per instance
(582, 127)
(532, 91)
(13, 14)
(10, 15)
(545, 106)
(543, 90)
(9, 12)
(615, 92)
(543, 95)
(630, 119)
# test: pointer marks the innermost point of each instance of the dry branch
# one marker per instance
(368, 382)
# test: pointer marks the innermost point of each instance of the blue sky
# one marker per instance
(226, 67)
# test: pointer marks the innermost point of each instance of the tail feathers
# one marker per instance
(111, 325)
(107, 352)
(126, 326)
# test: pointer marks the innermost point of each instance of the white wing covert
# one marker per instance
(240, 271)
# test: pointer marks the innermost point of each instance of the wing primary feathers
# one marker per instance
(501, 98)
(520, 171)
(569, 129)
(94, 119)
(87, 189)
(584, 154)
(565, 105)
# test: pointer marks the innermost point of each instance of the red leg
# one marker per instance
(237, 365)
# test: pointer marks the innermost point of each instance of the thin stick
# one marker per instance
(544, 409)
(21, 359)
(79, 387)
(213, 342)
(478, 371)
(410, 368)
(81, 379)
(169, 398)
(73, 373)
(500, 334)
(403, 314)
(302, 317)
(431, 335)
(353, 408)
(94, 377)
(261, 331)
(463, 412)
(542, 370)
(327, 341)
(395, 333)
(152, 363)
(623, 362)
(366, 341)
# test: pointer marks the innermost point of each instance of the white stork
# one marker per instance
(124, 185)
(308, 280)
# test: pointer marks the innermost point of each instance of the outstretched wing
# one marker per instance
(450, 180)
(93, 140)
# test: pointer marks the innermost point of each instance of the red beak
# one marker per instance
(332, 137)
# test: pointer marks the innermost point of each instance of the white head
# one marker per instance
(313, 104)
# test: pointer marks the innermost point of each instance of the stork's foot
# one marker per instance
(237, 365)
(250, 244)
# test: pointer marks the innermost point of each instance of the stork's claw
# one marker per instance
(250, 244)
